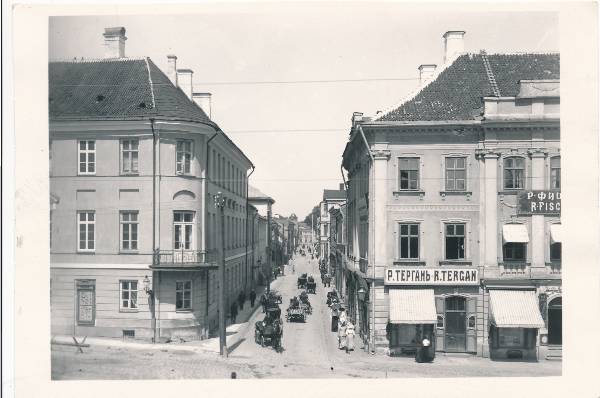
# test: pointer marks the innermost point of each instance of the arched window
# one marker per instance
(514, 173)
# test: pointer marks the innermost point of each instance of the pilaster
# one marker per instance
(538, 241)
(490, 184)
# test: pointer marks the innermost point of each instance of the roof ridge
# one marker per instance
(96, 60)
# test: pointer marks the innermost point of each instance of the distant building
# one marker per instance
(453, 212)
(264, 206)
(332, 198)
(135, 166)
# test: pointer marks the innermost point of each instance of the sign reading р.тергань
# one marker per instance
(431, 276)
(539, 202)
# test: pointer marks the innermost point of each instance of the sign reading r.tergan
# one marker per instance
(431, 276)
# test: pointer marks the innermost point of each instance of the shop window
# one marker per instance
(455, 241)
(472, 322)
(555, 251)
(511, 337)
(408, 174)
(513, 251)
(456, 174)
(409, 241)
(555, 172)
(514, 173)
(183, 295)
(440, 321)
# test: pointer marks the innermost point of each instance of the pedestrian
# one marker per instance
(234, 311)
(350, 333)
(335, 313)
(241, 299)
(343, 315)
(342, 335)
(252, 298)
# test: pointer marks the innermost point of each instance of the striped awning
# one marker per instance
(556, 233)
(515, 233)
(412, 306)
(515, 309)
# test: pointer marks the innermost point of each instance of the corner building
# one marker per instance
(454, 209)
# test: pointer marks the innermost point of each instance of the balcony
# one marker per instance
(516, 268)
(182, 260)
(521, 271)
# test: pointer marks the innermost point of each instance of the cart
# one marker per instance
(269, 331)
(302, 281)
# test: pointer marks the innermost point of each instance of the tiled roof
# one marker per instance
(120, 89)
(457, 93)
(334, 194)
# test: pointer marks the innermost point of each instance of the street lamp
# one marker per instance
(361, 294)
(147, 288)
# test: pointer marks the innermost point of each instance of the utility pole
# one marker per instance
(220, 204)
(269, 233)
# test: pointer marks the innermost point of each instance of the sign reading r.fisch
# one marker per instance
(431, 276)
(539, 202)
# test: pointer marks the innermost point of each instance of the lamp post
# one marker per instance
(220, 205)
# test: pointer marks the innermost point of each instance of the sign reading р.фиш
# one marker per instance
(429, 276)
(539, 202)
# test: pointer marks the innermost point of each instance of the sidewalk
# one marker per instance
(244, 320)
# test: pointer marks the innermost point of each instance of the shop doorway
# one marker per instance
(456, 324)
(555, 321)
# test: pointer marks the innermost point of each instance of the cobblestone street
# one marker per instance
(309, 351)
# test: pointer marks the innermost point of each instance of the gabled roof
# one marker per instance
(334, 194)
(120, 89)
(457, 92)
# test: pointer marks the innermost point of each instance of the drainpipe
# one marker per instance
(251, 270)
(372, 200)
(343, 258)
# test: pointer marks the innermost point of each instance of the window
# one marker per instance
(184, 157)
(87, 225)
(183, 295)
(409, 241)
(555, 172)
(409, 173)
(87, 157)
(129, 295)
(129, 156)
(511, 337)
(183, 222)
(555, 251)
(455, 241)
(219, 173)
(514, 171)
(456, 174)
(129, 230)
(514, 251)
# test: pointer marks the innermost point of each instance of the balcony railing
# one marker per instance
(516, 268)
(184, 259)
(554, 267)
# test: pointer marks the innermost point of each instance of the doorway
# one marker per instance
(555, 321)
(456, 324)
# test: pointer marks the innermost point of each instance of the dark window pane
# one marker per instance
(414, 247)
(450, 229)
(414, 229)
(460, 229)
(403, 247)
(404, 229)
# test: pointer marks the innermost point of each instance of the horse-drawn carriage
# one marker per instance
(302, 279)
(311, 285)
(297, 311)
(305, 302)
(269, 331)
(274, 296)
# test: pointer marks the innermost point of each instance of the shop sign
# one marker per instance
(431, 276)
(539, 202)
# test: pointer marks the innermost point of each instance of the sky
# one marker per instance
(280, 105)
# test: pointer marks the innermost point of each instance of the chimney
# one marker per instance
(114, 42)
(342, 186)
(425, 72)
(172, 68)
(453, 43)
(184, 78)
(356, 118)
(203, 100)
